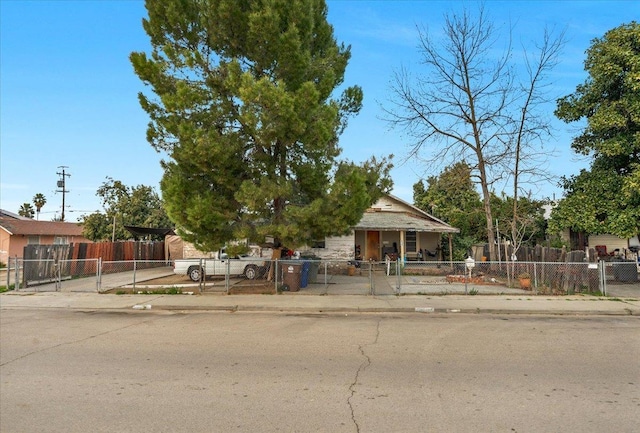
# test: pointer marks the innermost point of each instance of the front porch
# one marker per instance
(406, 244)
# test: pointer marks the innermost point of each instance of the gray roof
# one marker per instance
(392, 221)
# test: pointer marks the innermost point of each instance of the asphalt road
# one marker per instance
(143, 371)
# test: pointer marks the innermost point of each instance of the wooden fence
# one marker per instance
(44, 263)
(539, 253)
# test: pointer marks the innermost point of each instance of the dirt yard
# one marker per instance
(242, 286)
(169, 280)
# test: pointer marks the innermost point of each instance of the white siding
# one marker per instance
(336, 248)
(428, 241)
(387, 204)
(612, 242)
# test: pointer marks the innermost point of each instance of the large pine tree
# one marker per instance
(244, 109)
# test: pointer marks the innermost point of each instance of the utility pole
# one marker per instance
(62, 185)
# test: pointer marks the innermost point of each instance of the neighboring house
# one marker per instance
(11, 215)
(177, 248)
(605, 244)
(613, 245)
(16, 233)
(390, 227)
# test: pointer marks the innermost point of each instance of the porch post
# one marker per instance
(450, 249)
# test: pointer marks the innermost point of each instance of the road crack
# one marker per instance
(363, 366)
(66, 343)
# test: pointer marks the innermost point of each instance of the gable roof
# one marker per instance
(407, 218)
(40, 228)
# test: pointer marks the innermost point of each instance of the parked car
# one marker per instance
(197, 269)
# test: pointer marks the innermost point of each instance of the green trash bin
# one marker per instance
(314, 267)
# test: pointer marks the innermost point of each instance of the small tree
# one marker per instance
(530, 224)
(26, 210)
(39, 200)
(134, 206)
(97, 227)
(451, 197)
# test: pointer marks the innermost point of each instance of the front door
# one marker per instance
(373, 246)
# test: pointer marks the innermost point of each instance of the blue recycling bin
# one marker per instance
(304, 277)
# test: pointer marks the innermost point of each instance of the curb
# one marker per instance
(339, 310)
(403, 310)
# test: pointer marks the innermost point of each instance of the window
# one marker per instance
(33, 240)
(410, 239)
(318, 244)
(61, 240)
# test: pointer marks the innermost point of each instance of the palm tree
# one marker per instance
(39, 200)
(26, 210)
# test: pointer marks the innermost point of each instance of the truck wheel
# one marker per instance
(195, 273)
(251, 272)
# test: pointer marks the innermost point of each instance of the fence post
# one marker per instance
(98, 273)
(326, 283)
(227, 276)
(275, 274)
(8, 271)
(134, 274)
(371, 285)
(398, 276)
(535, 277)
(602, 271)
(203, 272)
(17, 283)
(57, 275)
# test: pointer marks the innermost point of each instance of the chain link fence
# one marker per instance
(12, 275)
(500, 277)
(82, 275)
(325, 277)
(621, 278)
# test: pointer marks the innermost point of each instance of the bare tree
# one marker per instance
(471, 104)
(532, 127)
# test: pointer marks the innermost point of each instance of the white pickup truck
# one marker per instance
(250, 267)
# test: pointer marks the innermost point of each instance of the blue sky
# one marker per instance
(68, 91)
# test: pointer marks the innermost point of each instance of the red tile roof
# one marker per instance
(41, 228)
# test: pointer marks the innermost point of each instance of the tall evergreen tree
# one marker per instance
(244, 108)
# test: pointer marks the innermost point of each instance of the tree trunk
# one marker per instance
(486, 196)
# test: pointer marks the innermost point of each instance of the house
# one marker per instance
(16, 233)
(390, 227)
